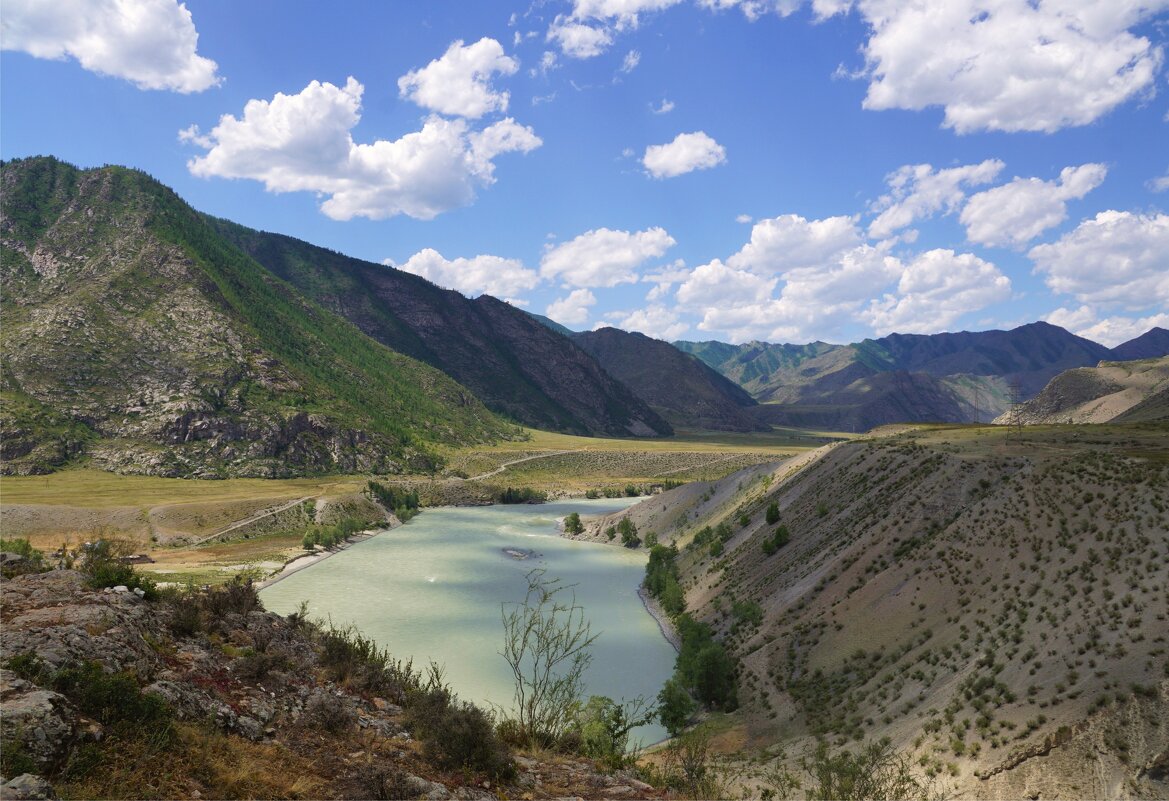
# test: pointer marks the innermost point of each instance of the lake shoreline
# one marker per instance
(665, 625)
(655, 610)
(307, 560)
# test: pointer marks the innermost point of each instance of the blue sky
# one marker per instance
(782, 170)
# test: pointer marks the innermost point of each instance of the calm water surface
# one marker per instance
(432, 590)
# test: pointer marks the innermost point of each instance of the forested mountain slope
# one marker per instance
(135, 336)
(513, 363)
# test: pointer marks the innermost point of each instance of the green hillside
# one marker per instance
(124, 311)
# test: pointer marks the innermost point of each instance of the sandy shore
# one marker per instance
(299, 563)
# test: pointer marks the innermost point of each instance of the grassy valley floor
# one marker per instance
(206, 531)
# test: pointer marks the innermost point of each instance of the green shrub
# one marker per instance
(15, 759)
(628, 530)
(521, 495)
(325, 713)
(455, 735)
(34, 560)
(604, 726)
(236, 596)
(772, 516)
(349, 657)
(572, 524)
(111, 699)
(779, 538)
(103, 567)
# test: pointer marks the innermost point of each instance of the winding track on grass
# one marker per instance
(248, 521)
(506, 465)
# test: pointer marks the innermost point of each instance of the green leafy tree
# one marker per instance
(772, 514)
(572, 524)
(675, 706)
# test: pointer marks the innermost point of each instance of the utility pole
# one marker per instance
(1015, 416)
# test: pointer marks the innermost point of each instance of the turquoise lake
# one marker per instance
(432, 589)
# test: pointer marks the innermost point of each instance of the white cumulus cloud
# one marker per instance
(917, 191)
(459, 83)
(578, 40)
(753, 9)
(624, 13)
(1007, 65)
(604, 257)
(483, 274)
(1116, 259)
(1160, 184)
(790, 241)
(665, 107)
(687, 153)
(936, 289)
(654, 321)
(151, 43)
(302, 142)
(1015, 213)
(1110, 331)
(716, 285)
(572, 309)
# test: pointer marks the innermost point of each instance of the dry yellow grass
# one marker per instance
(780, 440)
(97, 489)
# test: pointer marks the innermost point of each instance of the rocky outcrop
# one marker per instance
(1099, 394)
(242, 681)
(41, 723)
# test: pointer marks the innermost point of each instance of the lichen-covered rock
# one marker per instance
(41, 722)
(26, 787)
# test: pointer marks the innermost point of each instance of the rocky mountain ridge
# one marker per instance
(677, 385)
(517, 366)
(948, 377)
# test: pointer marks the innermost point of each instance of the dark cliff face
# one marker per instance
(517, 366)
(677, 385)
(135, 334)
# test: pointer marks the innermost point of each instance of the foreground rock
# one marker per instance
(242, 701)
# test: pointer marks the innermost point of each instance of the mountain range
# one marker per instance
(677, 385)
(142, 336)
(947, 377)
(145, 337)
